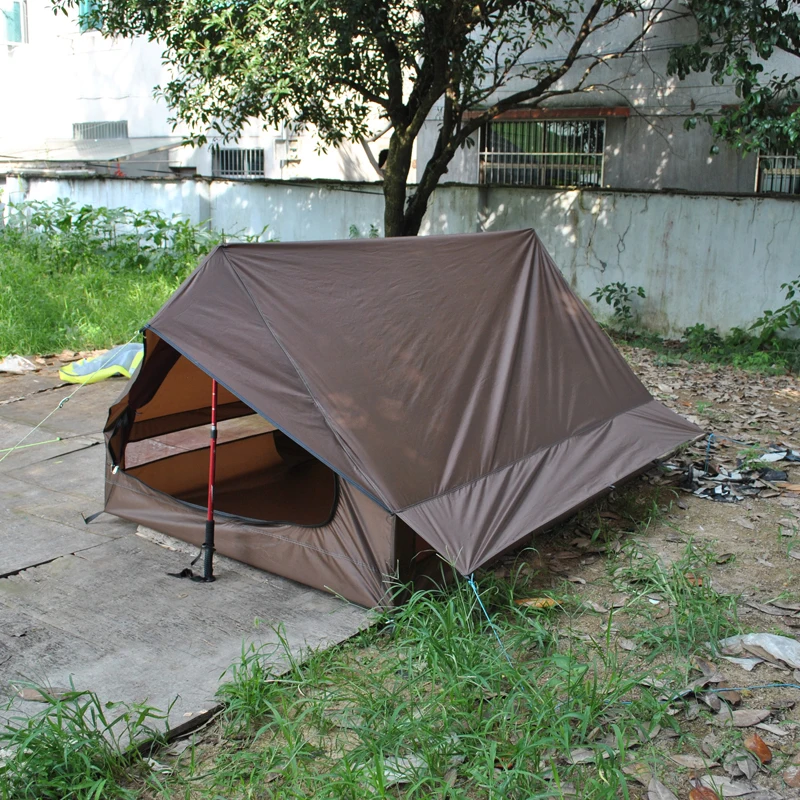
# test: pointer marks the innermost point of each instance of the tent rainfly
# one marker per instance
(379, 399)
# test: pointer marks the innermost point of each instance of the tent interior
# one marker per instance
(159, 434)
(261, 474)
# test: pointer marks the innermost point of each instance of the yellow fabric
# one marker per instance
(67, 373)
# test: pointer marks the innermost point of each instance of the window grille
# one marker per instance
(234, 162)
(100, 130)
(542, 152)
(12, 21)
(778, 173)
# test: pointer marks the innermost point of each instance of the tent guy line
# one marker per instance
(61, 403)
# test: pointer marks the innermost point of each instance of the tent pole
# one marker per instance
(208, 544)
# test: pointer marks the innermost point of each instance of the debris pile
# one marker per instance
(728, 471)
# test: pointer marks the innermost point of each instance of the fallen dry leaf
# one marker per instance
(731, 696)
(703, 793)
(747, 767)
(726, 787)
(715, 704)
(583, 755)
(769, 609)
(692, 762)
(639, 771)
(537, 602)
(747, 717)
(775, 730)
(783, 604)
(657, 791)
(708, 668)
(758, 747)
(791, 777)
(43, 695)
(741, 718)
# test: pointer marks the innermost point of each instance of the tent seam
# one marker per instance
(527, 456)
(302, 377)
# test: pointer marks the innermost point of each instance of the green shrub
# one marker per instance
(700, 339)
(783, 319)
(88, 277)
(620, 297)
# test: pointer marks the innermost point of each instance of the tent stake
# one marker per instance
(208, 544)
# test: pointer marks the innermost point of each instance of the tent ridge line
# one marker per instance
(516, 461)
(302, 377)
(340, 556)
(269, 419)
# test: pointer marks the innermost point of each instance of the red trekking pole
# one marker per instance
(208, 545)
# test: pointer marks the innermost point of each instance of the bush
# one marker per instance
(739, 348)
(88, 277)
(772, 323)
(620, 297)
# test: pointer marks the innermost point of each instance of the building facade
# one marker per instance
(77, 102)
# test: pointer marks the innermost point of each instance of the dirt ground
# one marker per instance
(749, 549)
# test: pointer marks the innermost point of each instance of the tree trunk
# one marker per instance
(395, 181)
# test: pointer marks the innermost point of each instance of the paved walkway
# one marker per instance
(93, 603)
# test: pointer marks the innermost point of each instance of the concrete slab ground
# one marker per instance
(93, 604)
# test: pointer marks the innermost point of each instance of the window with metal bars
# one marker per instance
(542, 152)
(778, 172)
(117, 129)
(234, 162)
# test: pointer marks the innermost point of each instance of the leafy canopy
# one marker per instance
(354, 67)
(735, 39)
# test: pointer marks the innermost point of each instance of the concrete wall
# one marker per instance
(718, 260)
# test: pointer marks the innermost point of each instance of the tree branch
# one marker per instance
(372, 160)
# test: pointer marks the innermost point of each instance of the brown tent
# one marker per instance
(378, 398)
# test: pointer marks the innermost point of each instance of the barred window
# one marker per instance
(118, 129)
(542, 152)
(234, 162)
(778, 173)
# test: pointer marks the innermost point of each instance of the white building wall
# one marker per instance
(61, 76)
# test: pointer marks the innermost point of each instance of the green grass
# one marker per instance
(690, 615)
(75, 748)
(772, 356)
(90, 277)
(426, 692)
(430, 692)
(44, 311)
